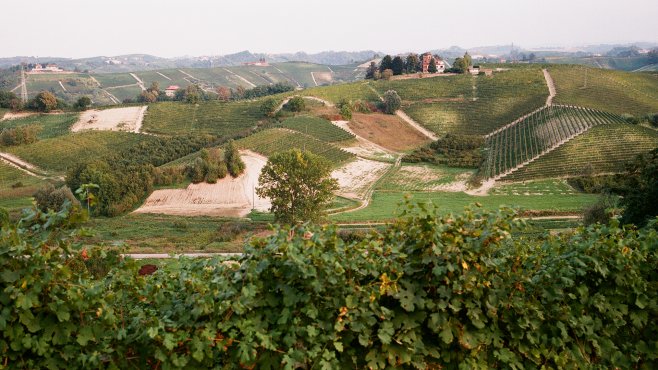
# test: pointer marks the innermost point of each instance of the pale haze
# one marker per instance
(76, 28)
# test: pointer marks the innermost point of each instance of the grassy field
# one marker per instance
(472, 105)
(610, 91)
(127, 92)
(384, 205)
(213, 117)
(114, 79)
(59, 153)
(276, 140)
(16, 187)
(319, 128)
(52, 125)
(602, 149)
(146, 233)
(351, 91)
(537, 187)
(421, 177)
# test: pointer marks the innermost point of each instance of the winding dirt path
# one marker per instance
(551, 87)
(20, 164)
(139, 82)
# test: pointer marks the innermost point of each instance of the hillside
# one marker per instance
(602, 149)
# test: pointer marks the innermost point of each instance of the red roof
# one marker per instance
(173, 87)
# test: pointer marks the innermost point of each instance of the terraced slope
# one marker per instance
(602, 149)
(472, 105)
(213, 117)
(610, 91)
(276, 140)
(538, 134)
(52, 125)
(319, 128)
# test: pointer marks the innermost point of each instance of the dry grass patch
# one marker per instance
(388, 131)
(356, 177)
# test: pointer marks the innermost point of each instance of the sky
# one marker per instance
(167, 28)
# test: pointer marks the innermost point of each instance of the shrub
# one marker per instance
(27, 134)
(51, 198)
(392, 102)
(346, 112)
(296, 104)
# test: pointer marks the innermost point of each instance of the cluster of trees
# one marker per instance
(451, 150)
(227, 94)
(653, 56)
(125, 178)
(45, 102)
(212, 164)
(394, 66)
(426, 291)
(194, 93)
(9, 100)
(27, 134)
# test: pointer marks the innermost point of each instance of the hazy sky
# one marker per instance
(82, 28)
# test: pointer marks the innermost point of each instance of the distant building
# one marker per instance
(171, 90)
(260, 63)
(474, 70)
(49, 68)
(426, 59)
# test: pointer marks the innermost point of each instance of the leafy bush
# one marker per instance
(27, 134)
(51, 198)
(296, 104)
(451, 150)
(392, 102)
(429, 291)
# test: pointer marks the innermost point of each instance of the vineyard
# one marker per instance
(213, 117)
(352, 91)
(276, 140)
(114, 79)
(612, 91)
(52, 125)
(537, 134)
(319, 128)
(59, 153)
(473, 105)
(602, 149)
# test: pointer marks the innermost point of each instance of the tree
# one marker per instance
(45, 101)
(392, 102)
(653, 56)
(223, 93)
(51, 198)
(459, 65)
(155, 88)
(6, 98)
(387, 74)
(467, 61)
(269, 106)
(193, 94)
(234, 163)
(83, 103)
(372, 69)
(432, 67)
(147, 97)
(397, 65)
(296, 104)
(386, 63)
(299, 185)
(640, 191)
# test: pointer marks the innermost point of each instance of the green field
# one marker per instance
(319, 128)
(384, 205)
(276, 140)
(213, 117)
(352, 91)
(16, 187)
(472, 105)
(602, 149)
(59, 153)
(127, 92)
(421, 177)
(610, 91)
(538, 133)
(145, 233)
(52, 125)
(114, 79)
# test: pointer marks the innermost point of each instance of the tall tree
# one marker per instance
(223, 93)
(299, 184)
(412, 63)
(640, 189)
(392, 101)
(432, 67)
(397, 65)
(468, 61)
(372, 69)
(44, 102)
(386, 63)
(234, 163)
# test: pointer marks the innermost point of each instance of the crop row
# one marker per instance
(213, 117)
(602, 149)
(276, 140)
(319, 128)
(538, 133)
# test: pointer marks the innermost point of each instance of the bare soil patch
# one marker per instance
(117, 119)
(15, 115)
(388, 131)
(229, 197)
(322, 77)
(364, 148)
(356, 177)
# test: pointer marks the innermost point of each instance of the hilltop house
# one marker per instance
(426, 59)
(51, 68)
(261, 63)
(171, 90)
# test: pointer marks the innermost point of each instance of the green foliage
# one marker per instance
(51, 198)
(392, 102)
(432, 67)
(451, 150)
(234, 163)
(299, 184)
(82, 103)
(397, 65)
(44, 101)
(4, 218)
(296, 104)
(640, 200)
(27, 134)
(386, 63)
(269, 106)
(428, 291)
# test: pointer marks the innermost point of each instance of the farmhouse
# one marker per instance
(474, 70)
(260, 63)
(427, 59)
(49, 68)
(171, 90)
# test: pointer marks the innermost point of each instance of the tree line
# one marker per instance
(412, 63)
(194, 93)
